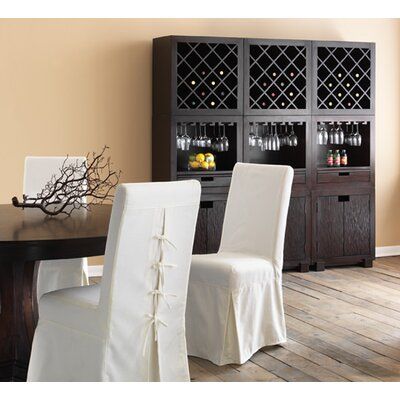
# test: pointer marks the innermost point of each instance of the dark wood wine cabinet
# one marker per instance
(214, 88)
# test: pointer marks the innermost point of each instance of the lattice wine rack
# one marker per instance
(207, 75)
(343, 78)
(277, 77)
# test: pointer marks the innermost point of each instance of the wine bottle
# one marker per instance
(336, 158)
(343, 159)
(329, 159)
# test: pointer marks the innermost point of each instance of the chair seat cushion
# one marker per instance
(230, 270)
(72, 307)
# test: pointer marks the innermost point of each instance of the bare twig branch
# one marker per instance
(78, 185)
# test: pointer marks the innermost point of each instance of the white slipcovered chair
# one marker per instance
(132, 326)
(53, 274)
(235, 304)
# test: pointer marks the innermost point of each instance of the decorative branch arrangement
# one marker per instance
(79, 185)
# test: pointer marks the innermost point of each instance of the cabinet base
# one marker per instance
(304, 268)
(320, 266)
(367, 263)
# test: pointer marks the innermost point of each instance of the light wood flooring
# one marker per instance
(343, 325)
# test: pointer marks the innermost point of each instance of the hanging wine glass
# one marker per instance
(281, 135)
(207, 139)
(324, 134)
(195, 139)
(186, 140)
(351, 137)
(332, 133)
(264, 135)
(286, 134)
(347, 138)
(257, 138)
(319, 135)
(252, 140)
(340, 133)
(357, 136)
(224, 140)
(179, 136)
(200, 142)
(216, 139)
(292, 137)
(275, 140)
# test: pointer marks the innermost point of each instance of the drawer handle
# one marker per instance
(344, 173)
(342, 199)
(207, 178)
(206, 204)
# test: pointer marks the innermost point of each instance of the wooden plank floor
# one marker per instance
(343, 325)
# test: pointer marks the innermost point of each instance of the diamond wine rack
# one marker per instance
(277, 77)
(344, 78)
(207, 75)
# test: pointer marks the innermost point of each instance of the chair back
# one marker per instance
(256, 211)
(39, 171)
(145, 279)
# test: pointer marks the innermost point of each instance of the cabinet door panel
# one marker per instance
(329, 227)
(357, 225)
(296, 230)
(215, 219)
(200, 237)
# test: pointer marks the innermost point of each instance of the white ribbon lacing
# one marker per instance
(163, 239)
(160, 267)
(158, 292)
(155, 322)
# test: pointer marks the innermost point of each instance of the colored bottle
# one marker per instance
(336, 158)
(329, 159)
(343, 159)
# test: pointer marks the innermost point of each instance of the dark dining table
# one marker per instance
(28, 236)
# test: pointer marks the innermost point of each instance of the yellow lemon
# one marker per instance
(209, 157)
(211, 165)
(195, 165)
(200, 157)
(204, 165)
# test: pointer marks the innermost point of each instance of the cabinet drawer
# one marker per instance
(299, 177)
(342, 176)
(209, 181)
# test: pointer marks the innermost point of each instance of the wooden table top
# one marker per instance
(32, 228)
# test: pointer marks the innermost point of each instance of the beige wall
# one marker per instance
(69, 86)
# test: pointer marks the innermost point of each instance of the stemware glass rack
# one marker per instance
(289, 133)
(212, 146)
(354, 139)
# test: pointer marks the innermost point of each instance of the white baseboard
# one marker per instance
(95, 271)
(387, 251)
